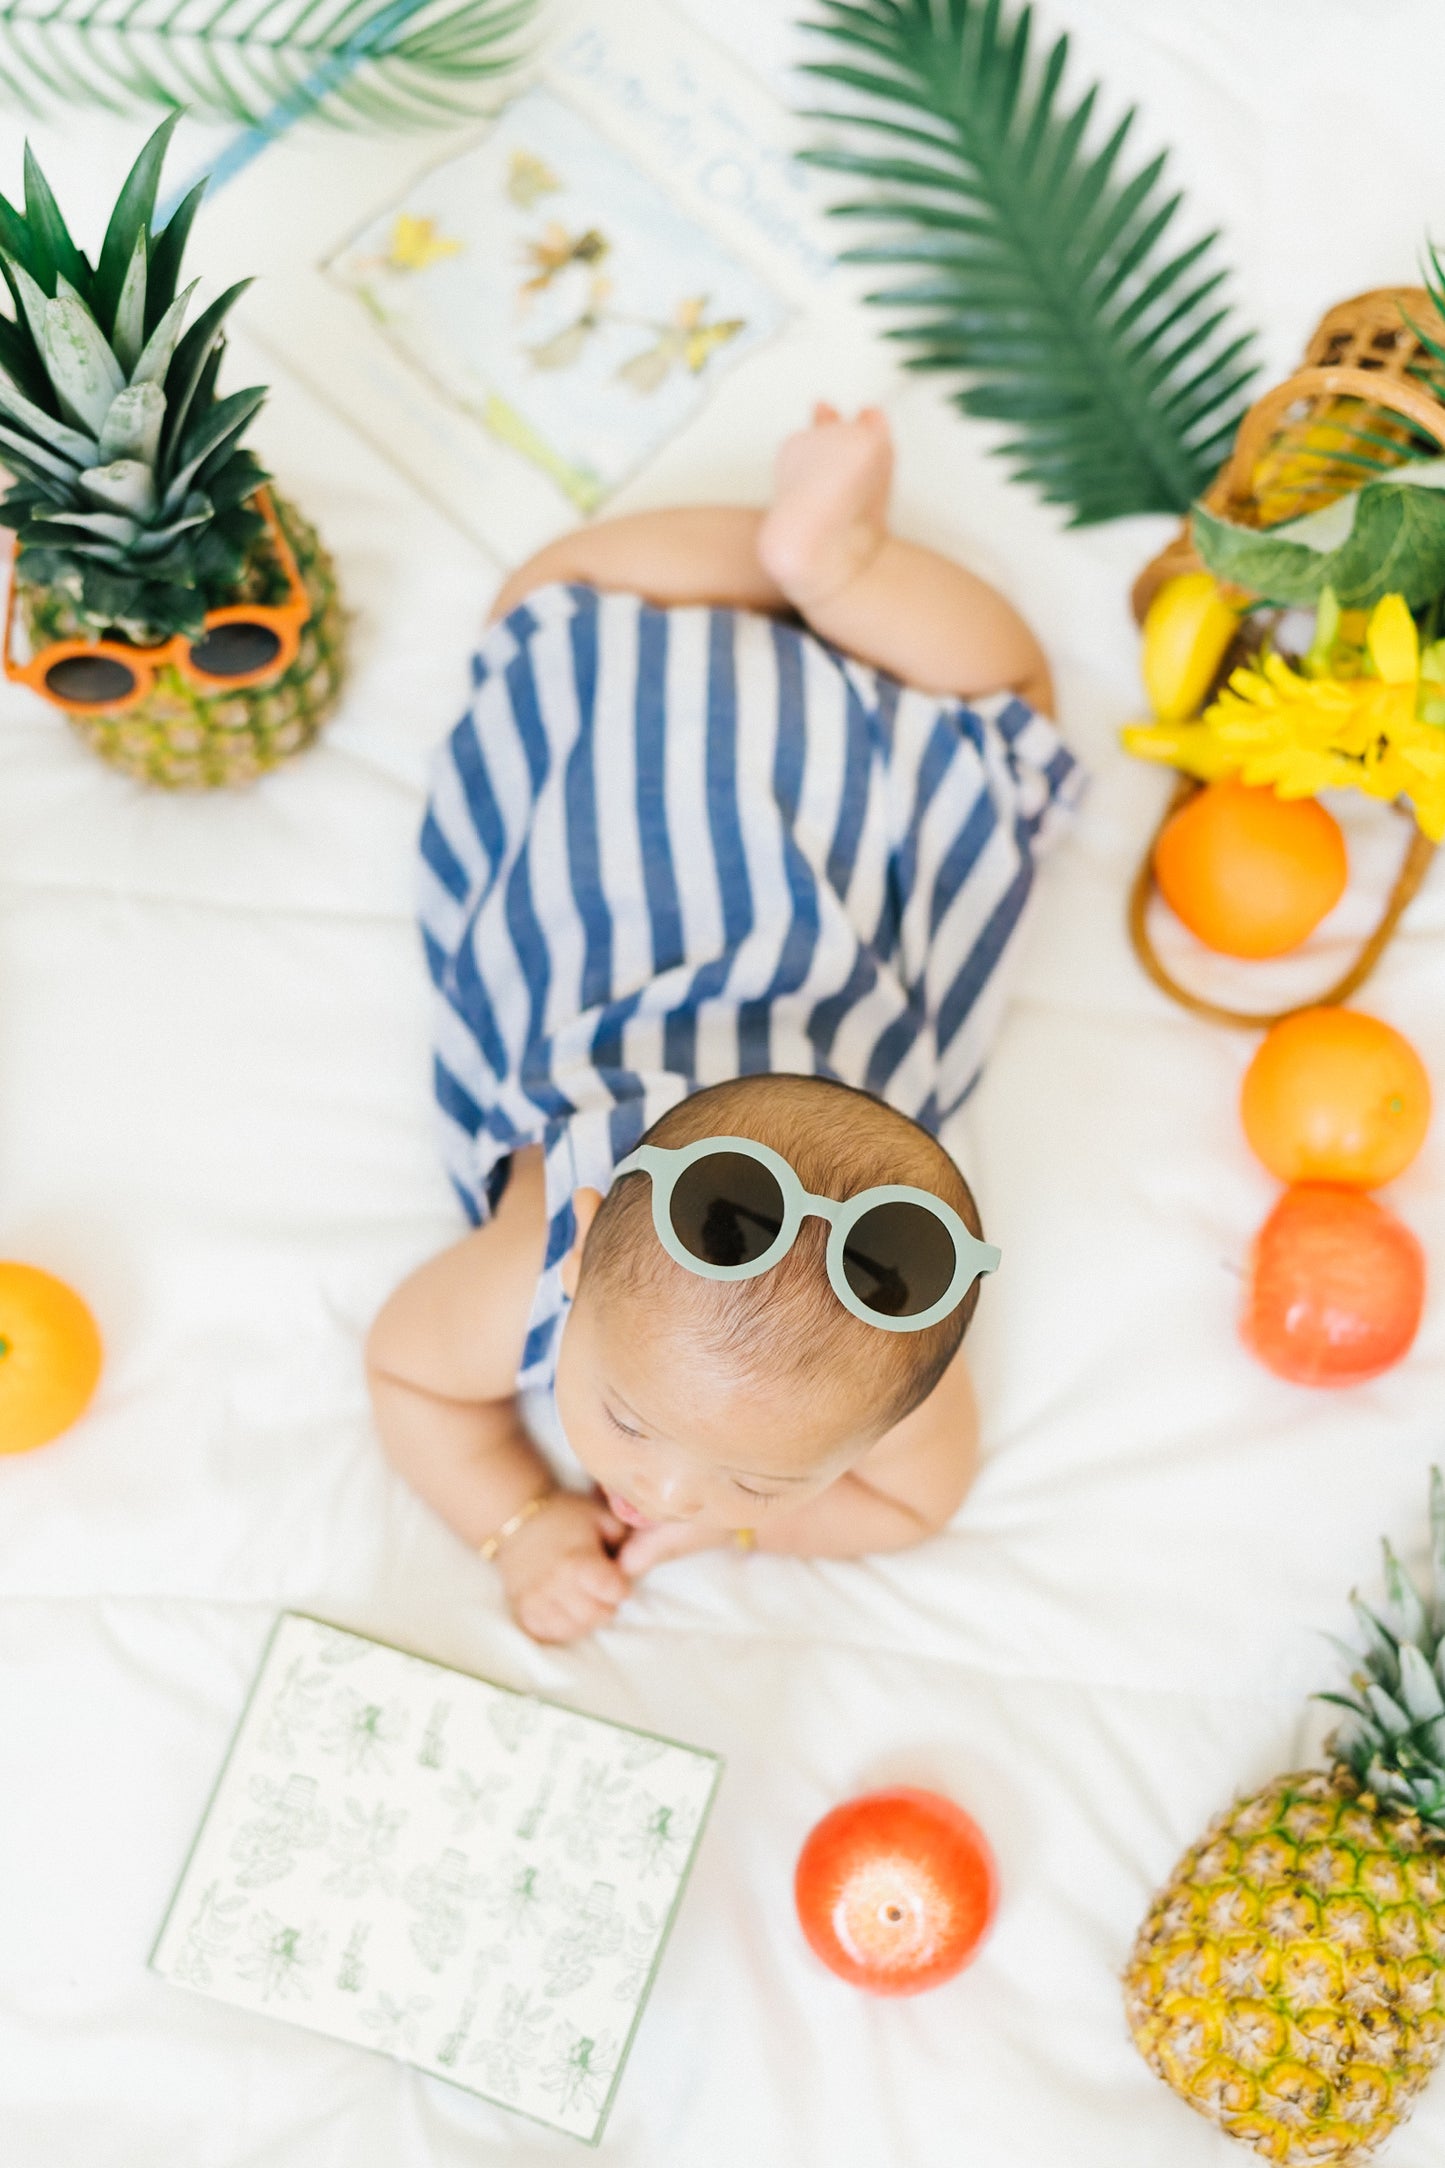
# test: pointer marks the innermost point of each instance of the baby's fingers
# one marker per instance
(603, 1580)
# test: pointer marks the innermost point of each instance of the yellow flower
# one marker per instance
(1302, 733)
(416, 243)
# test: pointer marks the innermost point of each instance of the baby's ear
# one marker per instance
(586, 1204)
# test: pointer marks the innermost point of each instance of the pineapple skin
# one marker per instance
(181, 739)
(1289, 1980)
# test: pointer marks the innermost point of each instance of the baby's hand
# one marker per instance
(560, 1580)
(649, 1547)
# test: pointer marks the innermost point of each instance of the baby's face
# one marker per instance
(671, 1441)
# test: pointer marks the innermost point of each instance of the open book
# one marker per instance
(469, 1879)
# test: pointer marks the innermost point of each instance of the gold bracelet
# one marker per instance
(745, 1539)
(519, 1519)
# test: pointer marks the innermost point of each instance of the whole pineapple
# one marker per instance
(133, 496)
(1289, 1982)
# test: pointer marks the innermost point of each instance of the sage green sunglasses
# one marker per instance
(728, 1208)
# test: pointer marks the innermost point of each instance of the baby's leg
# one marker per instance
(903, 608)
(703, 553)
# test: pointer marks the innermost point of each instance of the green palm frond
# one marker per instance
(383, 63)
(1040, 271)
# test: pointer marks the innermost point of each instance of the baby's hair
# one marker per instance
(787, 1323)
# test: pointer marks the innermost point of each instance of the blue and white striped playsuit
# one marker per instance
(667, 847)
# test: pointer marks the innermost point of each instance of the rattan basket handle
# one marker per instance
(1413, 868)
(1411, 400)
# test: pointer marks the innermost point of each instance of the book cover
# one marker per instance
(418, 1861)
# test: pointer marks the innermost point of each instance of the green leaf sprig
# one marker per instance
(1037, 269)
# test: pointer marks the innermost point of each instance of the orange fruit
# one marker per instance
(49, 1357)
(1249, 873)
(1336, 1287)
(1335, 1096)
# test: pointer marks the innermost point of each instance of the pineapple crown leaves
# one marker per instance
(370, 63)
(1037, 268)
(1393, 1734)
(130, 483)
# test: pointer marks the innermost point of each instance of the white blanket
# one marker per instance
(215, 1121)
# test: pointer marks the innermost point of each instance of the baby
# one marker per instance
(717, 873)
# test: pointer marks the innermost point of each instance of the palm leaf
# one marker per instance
(1033, 265)
(384, 63)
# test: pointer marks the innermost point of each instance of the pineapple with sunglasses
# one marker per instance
(184, 618)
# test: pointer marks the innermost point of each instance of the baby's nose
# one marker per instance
(677, 1499)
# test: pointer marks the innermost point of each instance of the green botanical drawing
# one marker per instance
(335, 1647)
(363, 1732)
(280, 1957)
(514, 1717)
(215, 1920)
(393, 2021)
(580, 2069)
(594, 1805)
(351, 1978)
(593, 1932)
(441, 1895)
(518, 1897)
(474, 1799)
(291, 1822)
(432, 1752)
(295, 1707)
(640, 1947)
(450, 2047)
(515, 2042)
(661, 1836)
(531, 1821)
(363, 1844)
(639, 1748)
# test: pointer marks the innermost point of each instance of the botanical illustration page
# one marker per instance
(466, 1878)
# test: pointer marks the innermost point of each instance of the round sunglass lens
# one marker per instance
(233, 651)
(727, 1209)
(899, 1259)
(90, 681)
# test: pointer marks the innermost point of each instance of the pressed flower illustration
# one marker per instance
(688, 342)
(529, 178)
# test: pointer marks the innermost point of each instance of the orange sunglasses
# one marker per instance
(244, 644)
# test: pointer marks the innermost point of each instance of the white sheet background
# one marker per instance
(214, 1119)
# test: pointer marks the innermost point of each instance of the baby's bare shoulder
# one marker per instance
(456, 1326)
(928, 1461)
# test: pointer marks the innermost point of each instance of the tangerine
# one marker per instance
(896, 1890)
(1333, 1095)
(1336, 1287)
(1249, 873)
(50, 1357)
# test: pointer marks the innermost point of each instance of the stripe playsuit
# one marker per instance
(669, 847)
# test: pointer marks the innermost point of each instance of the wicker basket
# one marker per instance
(1364, 361)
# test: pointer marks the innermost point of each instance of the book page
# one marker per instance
(463, 1877)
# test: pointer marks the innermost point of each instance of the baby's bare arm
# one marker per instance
(908, 1486)
(694, 554)
(441, 1361)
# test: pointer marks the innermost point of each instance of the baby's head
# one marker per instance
(700, 1399)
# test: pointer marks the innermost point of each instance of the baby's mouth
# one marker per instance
(626, 1511)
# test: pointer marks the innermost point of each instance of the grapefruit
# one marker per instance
(896, 1891)
(1336, 1287)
